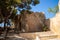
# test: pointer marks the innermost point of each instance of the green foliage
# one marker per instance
(54, 10)
(5, 5)
(35, 2)
(17, 1)
(13, 14)
(45, 28)
(8, 7)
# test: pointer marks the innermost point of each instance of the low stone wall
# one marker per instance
(41, 35)
(33, 36)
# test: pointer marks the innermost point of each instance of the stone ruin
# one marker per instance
(34, 22)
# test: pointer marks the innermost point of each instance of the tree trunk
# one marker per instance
(4, 25)
(5, 29)
(5, 33)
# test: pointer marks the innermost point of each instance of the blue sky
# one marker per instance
(43, 7)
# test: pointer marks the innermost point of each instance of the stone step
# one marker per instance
(1, 37)
(46, 34)
(54, 39)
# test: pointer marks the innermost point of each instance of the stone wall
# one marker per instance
(55, 24)
(32, 22)
(47, 23)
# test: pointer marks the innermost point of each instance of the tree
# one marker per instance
(8, 9)
(54, 10)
